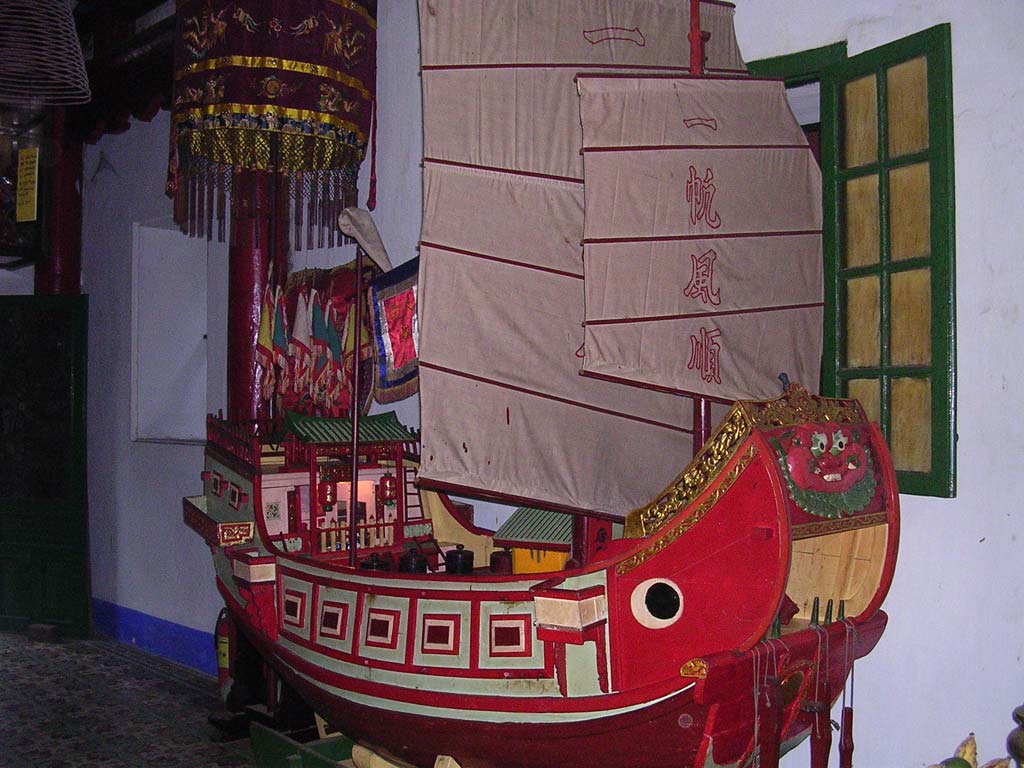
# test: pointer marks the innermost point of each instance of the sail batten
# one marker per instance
(498, 169)
(499, 260)
(692, 315)
(562, 400)
(677, 147)
(719, 236)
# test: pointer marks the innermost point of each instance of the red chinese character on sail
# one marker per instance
(705, 355)
(700, 194)
(702, 278)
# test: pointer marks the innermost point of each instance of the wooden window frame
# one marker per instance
(392, 618)
(299, 620)
(522, 624)
(453, 623)
(341, 611)
(831, 67)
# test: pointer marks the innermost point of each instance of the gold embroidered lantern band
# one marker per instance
(271, 87)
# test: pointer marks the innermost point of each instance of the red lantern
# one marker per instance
(328, 493)
(387, 488)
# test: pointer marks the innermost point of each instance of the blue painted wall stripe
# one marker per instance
(176, 642)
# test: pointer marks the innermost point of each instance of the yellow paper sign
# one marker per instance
(28, 184)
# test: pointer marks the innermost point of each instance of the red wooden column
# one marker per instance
(248, 260)
(60, 269)
(259, 238)
(590, 537)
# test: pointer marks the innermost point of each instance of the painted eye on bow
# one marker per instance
(657, 603)
(839, 442)
(818, 444)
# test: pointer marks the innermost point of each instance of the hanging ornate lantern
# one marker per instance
(387, 489)
(285, 88)
(328, 494)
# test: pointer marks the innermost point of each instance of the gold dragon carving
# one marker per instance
(694, 517)
(796, 406)
(694, 480)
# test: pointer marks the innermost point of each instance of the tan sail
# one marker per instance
(504, 410)
(702, 254)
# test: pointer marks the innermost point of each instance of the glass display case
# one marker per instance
(23, 183)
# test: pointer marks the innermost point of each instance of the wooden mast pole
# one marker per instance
(696, 40)
(701, 405)
(353, 517)
(701, 422)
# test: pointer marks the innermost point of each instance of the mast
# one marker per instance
(353, 517)
(696, 40)
(701, 405)
(358, 224)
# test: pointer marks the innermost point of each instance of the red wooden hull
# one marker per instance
(661, 654)
(708, 721)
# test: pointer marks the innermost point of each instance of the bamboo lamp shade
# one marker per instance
(41, 60)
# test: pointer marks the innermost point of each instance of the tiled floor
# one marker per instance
(99, 703)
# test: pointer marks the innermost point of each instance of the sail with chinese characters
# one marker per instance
(504, 411)
(702, 245)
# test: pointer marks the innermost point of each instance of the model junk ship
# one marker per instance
(705, 618)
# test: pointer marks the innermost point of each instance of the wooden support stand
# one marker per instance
(770, 725)
(846, 739)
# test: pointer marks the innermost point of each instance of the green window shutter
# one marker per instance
(887, 167)
(887, 171)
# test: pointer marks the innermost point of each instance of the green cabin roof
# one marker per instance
(529, 525)
(318, 430)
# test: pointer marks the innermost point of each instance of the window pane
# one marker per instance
(862, 322)
(439, 634)
(860, 119)
(911, 418)
(861, 241)
(907, 102)
(868, 392)
(909, 212)
(508, 637)
(910, 318)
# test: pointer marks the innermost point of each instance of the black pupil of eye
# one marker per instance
(662, 601)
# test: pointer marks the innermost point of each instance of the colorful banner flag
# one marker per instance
(265, 346)
(396, 333)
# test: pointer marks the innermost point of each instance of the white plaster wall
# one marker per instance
(17, 281)
(142, 555)
(399, 148)
(950, 661)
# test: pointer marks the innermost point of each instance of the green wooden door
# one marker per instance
(44, 574)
